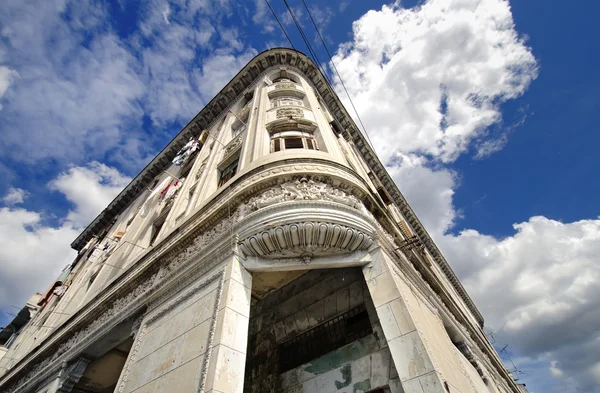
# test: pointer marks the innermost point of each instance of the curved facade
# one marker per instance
(264, 249)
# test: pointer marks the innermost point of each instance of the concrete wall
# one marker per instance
(196, 338)
(307, 302)
(425, 357)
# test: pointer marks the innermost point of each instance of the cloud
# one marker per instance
(15, 196)
(33, 253)
(85, 91)
(7, 77)
(539, 290)
(435, 75)
(90, 189)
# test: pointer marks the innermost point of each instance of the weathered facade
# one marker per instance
(265, 249)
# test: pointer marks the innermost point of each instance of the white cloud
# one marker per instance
(32, 253)
(83, 90)
(217, 70)
(7, 76)
(15, 196)
(90, 188)
(434, 75)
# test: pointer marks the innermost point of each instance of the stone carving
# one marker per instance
(289, 112)
(305, 239)
(93, 328)
(70, 374)
(245, 111)
(202, 168)
(285, 85)
(303, 189)
(200, 243)
(233, 145)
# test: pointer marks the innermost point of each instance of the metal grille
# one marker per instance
(324, 338)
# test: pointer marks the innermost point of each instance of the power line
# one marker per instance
(280, 25)
(306, 41)
(336, 71)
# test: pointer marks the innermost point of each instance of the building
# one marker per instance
(265, 249)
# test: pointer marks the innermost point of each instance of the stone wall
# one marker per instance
(171, 345)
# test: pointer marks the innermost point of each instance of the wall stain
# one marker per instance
(362, 386)
(346, 371)
(345, 354)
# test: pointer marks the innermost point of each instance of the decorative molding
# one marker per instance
(303, 189)
(165, 309)
(233, 146)
(285, 85)
(211, 335)
(70, 374)
(141, 333)
(305, 239)
(289, 112)
(171, 304)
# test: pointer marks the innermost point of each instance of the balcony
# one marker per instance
(290, 117)
(285, 89)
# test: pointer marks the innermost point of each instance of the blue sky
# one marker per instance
(482, 110)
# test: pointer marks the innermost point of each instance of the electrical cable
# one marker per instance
(306, 41)
(338, 74)
(280, 25)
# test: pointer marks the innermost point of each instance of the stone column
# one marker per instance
(411, 358)
(225, 371)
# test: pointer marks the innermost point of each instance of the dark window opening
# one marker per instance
(276, 145)
(310, 144)
(228, 172)
(324, 338)
(293, 143)
(157, 226)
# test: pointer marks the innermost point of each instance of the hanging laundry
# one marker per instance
(165, 190)
(173, 189)
(185, 152)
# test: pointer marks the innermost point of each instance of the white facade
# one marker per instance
(222, 272)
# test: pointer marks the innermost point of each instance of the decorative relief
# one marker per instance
(200, 243)
(289, 112)
(71, 374)
(285, 85)
(243, 114)
(233, 145)
(306, 239)
(202, 168)
(303, 189)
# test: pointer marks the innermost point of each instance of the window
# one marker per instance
(157, 226)
(287, 140)
(228, 172)
(324, 338)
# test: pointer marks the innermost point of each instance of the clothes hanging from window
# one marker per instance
(185, 152)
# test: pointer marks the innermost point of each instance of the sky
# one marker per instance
(483, 112)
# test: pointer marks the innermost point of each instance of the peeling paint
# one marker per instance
(346, 371)
(362, 386)
(345, 354)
